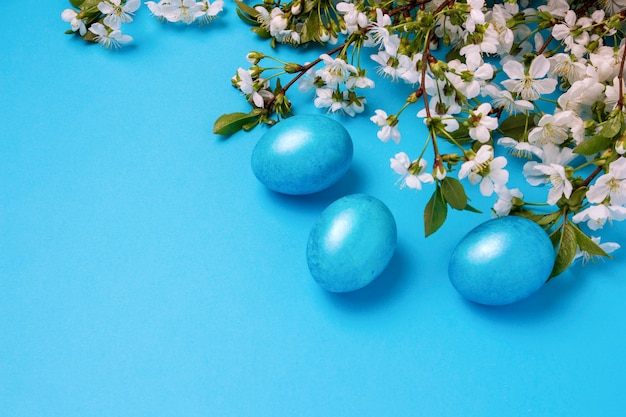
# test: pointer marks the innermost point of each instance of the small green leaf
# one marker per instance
(566, 249)
(454, 193)
(593, 145)
(250, 11)
(472, 209)
(227, 124)
(435, 212)
(586, 244)
(517, 125)
(261, 32)
(77, 3)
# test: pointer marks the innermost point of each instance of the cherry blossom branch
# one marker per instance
(620, 77)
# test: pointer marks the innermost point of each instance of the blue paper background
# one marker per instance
(145, 272)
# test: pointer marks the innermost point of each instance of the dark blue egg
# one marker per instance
(302, 154)
(351, 243)
(502, 261)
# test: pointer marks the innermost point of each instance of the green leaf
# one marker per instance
(472, 209)
(566, 249)
(530, 215)
(461, 135)
(250, 11)
(453, 53)
(586, 244)
(227, 124)
(311, 28)
(77, 3)
(246, 18)
(89, 4)
(593, 145)
(610, 128)
(517, 125)
(454, 193)
(435, 213)
(547, 219)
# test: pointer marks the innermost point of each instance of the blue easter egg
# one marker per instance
(502, 261)
(351, 243)
(302, 155)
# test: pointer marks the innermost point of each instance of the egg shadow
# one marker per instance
(555, 298)
(380, 292)
(350, 183)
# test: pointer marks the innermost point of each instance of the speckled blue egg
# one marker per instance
(351, 243)
(302, 155)
(502, 261)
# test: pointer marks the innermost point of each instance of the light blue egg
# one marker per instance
(501, 261)
(351, 243)
(302, 155)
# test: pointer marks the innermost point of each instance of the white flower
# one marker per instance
(564, 66)
(504, 99)
(109, 39)
(379, 35)
(611, 185)
(473, 52)
(407, 68)
(254, 89)
(354, 18)
(552, 173)
(613, 93)
(483, 168)
(596, 216)
(118, 13)
(449, 122)
(412, 175)
(352, 104)
(337, 101)
(476, 15)
(551, 129)
(386, 131)
(70, 16)
(529, 86)
(359, 80)
(506, 197)
(563, 31)
(613, 6)
(469, 82)
(520, 149)
(210, 9)
(335, 71)
(607, 247)
(186, 11)
(156, 9)
(482, 124)
(556, 8)
(388, 66)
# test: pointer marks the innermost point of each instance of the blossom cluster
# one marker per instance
(186, 11)
(101, 21)
(542, 81)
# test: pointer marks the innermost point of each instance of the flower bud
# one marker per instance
(296, 8)
(620, 145)
(254, 57)
(440, 172)
(292, 68)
